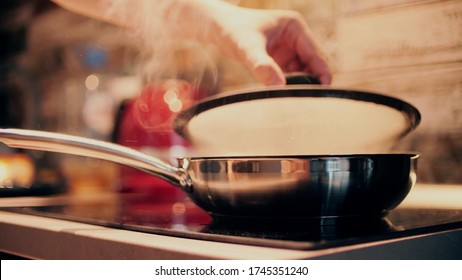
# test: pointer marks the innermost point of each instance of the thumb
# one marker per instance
(264, 68)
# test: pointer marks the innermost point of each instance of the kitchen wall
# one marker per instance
(410, 49)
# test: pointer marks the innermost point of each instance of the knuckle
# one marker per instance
(293, 16)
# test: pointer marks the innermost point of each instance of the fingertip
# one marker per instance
(325, 79)
(276, 80)
(269, 74)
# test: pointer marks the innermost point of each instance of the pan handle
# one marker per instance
(67, 144)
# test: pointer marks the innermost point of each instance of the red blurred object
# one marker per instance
(146, 123)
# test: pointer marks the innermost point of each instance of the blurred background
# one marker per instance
(63, 72)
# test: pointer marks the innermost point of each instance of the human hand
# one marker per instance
(271, 42)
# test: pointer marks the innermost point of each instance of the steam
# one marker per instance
(161, 55)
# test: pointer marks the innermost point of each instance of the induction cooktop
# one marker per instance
(183, 219)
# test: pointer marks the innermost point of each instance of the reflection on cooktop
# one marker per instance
(184, 219)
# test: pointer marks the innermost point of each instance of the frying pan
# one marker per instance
(258, 187)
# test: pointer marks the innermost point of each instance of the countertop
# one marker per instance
(48, 238)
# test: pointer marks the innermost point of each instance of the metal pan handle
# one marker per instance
(67, 144)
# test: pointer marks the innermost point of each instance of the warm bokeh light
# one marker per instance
(178, 208)
(92, 82)
(176, 106)
(4, 173)
(16, 170)
(170, 95)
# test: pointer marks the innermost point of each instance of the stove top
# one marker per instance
(184, 219)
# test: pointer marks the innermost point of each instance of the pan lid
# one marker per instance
(296, 119)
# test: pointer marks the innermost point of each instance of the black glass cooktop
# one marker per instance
(185, 220)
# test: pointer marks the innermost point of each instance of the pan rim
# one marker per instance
(305, 157)
(295, 91)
